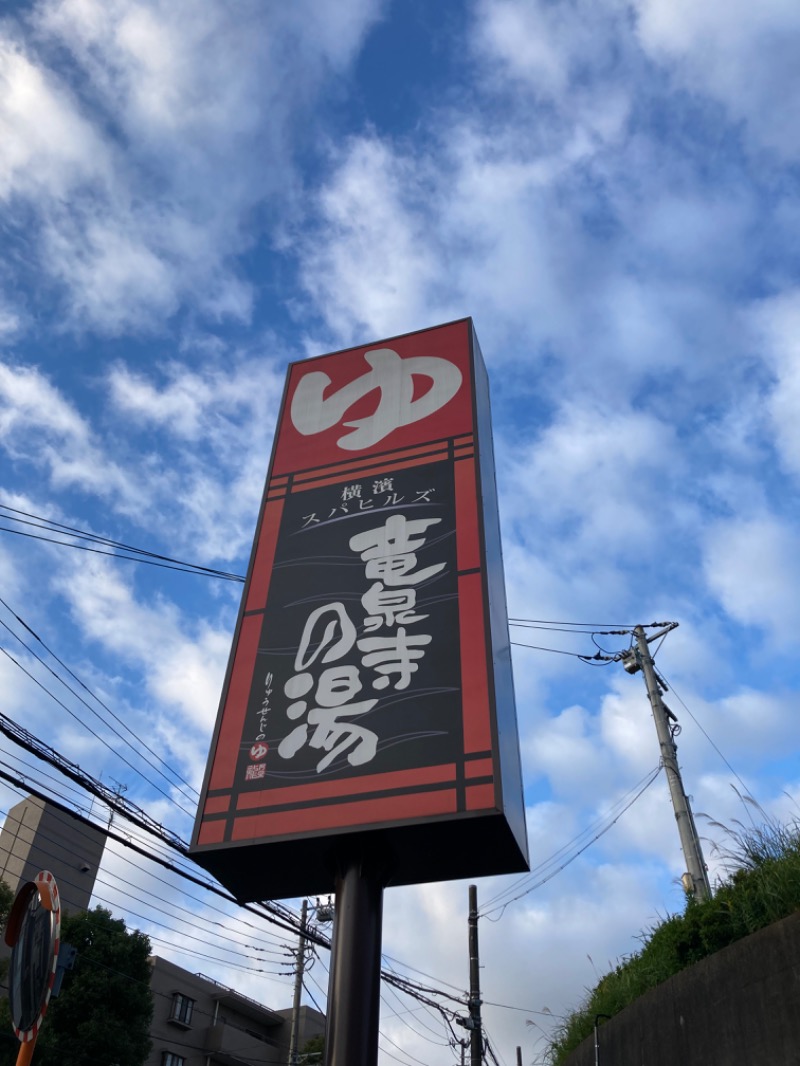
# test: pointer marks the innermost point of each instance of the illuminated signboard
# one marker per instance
(369, 693)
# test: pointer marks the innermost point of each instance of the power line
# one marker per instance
(556, 627)
(604, 659)
(579, 852)
(710, 741)
(275, 913)
(272, 914)
(71, 770)
(588, 625)
(140, 555)
(97, 699)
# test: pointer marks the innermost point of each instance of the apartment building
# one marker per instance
(199, 1022)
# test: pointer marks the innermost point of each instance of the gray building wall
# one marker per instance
(737, 1008)
(37, 836)
(221, 1027)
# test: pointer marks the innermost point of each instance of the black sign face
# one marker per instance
(358, 667)
(31, 964)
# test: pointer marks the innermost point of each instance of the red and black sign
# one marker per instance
(369, 689)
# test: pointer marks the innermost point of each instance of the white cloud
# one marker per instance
(776, 325)
(181, 664)
(626, 727)
(373, 271)
(46, 145)
(752, 567)
(533, 226)
(205, 468)
(549, 46)
(32, 408)
(599, 470)
(208, 459)
(198, 402)
(740, 53)
(565, 749)
(144, 158)
(11, 322)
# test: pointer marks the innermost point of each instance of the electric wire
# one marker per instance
(710, 741)
(200, 571)
(265, 912)
(39, 775)
(600, 658)
(194, 920)
(116, 732)
(554, 628)
(524, 1010)
(407, 966)
(592, 827)
(311, 994)
(193, 953)
(140, 555)
(488, 1048)
(572, 858)
(411, 988)
(408, 1055)
(560, 651)
(400, 1017)
(97, 736)
(382, 1035)
(589, 625)
(111, 798)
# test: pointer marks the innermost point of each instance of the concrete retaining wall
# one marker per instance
(740, 1007)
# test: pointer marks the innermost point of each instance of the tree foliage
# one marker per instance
(104, 1011)
(6, 899)
(8, 1042)
(313, 1049)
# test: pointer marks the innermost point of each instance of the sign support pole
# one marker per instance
(25, 1053)
(351, 1035)
(476, 1032)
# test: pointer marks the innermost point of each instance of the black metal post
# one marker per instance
(597, 1018)
(474, 1004)
(351, 1035)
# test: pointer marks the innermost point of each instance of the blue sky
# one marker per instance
(193, 195)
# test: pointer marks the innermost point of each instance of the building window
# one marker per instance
(181, 1013)
(169, 1058)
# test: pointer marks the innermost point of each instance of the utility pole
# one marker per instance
(695, 881)
(474, 1004)
(298, 986)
